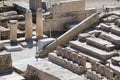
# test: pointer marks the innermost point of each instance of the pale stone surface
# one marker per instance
(110, 37)
(91, 50)
(13, 47)
(12, 76)
(28, 24)
(100, 43)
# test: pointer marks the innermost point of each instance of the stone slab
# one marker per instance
(115, 30)
(91, 50)
(83, 36)
(110, 37)
(28, 43)
(100, 43)
(13, 47)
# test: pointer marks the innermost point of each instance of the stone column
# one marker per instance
(28, 25)
(13, 30)
(39, 23)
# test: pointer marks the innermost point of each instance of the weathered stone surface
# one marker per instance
(105, 27)
(116, 60)
(91, 50)
(117, 22)
(83, 36)
(110, 37)
(5, 63)
(115, 30)
(100, 43)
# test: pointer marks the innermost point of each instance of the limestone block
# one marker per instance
(110, 37)
(109, 73)
(59, 51)
(115, 30)
(52, 57)
(105, 27)
(115, 60)
(5, 63)
(83, 36)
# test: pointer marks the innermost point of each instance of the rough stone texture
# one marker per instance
(13, 30)
(28, 25)
(83, 36)
(110, 37)
(116, 60)
(117, 22)
(91, 50)
(115, 30)
(70, 34)
(39, 23)
(105, 27)
(79, 69)
(100, 43)
(5, 63)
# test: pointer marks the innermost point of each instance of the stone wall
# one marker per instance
(67, 12)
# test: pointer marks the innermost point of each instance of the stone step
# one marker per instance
(105, 27)
(100, 43)
(94, 76)
(110, 37)
(83, 36)
(91, 50)
(70, 55)
(115, 30)
(102, 69)
(88, 57)
(74, 67)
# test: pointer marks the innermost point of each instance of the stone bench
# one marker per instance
(91, 50)
(110, 37)
(100, 43)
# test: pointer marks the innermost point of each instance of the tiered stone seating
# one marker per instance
(69, 60)
(99, 70)
(91, 50)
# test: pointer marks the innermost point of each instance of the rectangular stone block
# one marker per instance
(5, 63)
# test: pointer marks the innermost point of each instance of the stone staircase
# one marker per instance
(95, 47)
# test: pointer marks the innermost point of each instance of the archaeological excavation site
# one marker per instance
(59, 39)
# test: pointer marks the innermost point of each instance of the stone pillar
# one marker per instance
(13, 30)
(39, 23)
(35, 4)
(28, 25)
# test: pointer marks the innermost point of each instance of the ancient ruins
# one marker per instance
(59, 40)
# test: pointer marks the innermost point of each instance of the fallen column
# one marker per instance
(39, 23)
(9, 13)
(13, 17)
(28, 25)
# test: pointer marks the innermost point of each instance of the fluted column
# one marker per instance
(13, 30)
(28, 25)
(39, 23)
